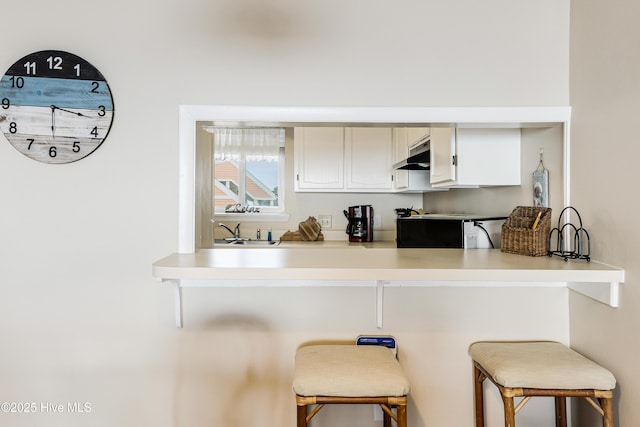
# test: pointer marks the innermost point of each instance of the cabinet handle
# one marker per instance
(454, 160)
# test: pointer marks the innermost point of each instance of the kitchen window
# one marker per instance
(248, 170)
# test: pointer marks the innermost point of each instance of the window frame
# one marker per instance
(242, 175)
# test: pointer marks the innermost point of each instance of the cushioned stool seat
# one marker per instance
(327, 374)
(540, 368)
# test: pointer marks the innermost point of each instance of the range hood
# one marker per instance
(419, 156)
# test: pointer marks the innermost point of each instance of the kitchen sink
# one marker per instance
(245, 242)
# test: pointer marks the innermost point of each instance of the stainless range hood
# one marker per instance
(419, 156)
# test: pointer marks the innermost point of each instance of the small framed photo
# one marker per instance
(541, 188)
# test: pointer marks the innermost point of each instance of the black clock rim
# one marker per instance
(90, 72)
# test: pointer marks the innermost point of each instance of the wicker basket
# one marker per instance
(518, 235)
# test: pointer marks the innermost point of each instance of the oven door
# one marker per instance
(429, 233)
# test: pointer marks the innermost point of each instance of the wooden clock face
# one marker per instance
(55, 107)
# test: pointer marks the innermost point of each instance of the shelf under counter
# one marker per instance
(380, 266)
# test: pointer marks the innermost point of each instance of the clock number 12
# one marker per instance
(55, 62)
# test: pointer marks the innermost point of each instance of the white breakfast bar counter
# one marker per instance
(379, 265)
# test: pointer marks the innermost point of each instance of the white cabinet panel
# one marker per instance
(319, 158)
(467, 157)
(443, 150)
(368, 158)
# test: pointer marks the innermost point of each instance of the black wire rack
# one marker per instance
(572, 242)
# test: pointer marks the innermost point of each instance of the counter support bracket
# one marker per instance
(177, 299)
(604, 292)
(379, 302)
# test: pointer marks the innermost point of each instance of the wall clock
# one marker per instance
(56, 107)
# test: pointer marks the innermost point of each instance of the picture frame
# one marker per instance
(541, 188)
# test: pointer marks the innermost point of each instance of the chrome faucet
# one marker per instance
(236, 232)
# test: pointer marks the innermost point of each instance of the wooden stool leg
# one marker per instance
(386, 419)
(401, 414)
(478, 393)
(607, 408)
(509, 412)
(302, 416)
(561, 411)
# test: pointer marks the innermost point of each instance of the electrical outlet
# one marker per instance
(325, 221)
(377, 221)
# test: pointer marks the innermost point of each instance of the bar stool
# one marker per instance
(352, 374)
(539, 368)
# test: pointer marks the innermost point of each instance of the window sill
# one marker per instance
(252, 217)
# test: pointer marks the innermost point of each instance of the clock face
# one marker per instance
(55, 107)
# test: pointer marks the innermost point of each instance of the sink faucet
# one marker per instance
(236, 232)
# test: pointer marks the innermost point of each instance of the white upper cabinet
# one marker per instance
(319, 158)
(360, 159)
(369, 158)
(343, 159)
(467, 157)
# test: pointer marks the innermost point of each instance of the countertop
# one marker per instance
(336, 260)
(379, 264)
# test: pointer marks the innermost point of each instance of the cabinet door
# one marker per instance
(443, 151)
(470, 157)
(400, 152)
(369, 158)
(488, 157)
(319, 158)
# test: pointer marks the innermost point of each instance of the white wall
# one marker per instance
(83, 319)
(605, 98)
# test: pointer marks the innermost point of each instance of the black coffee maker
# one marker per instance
(360, 226)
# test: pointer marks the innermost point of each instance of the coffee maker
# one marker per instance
(360, 226)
